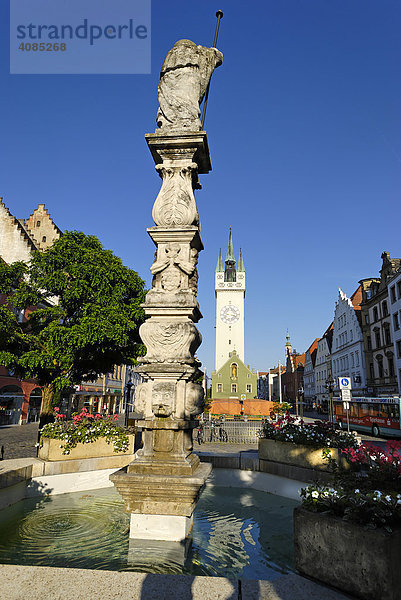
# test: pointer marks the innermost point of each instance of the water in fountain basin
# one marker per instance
(237, 533)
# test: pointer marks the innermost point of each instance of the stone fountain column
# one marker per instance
(162, 485)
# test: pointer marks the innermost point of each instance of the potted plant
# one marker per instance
(291, 441)
(348, 534)
(86, 436)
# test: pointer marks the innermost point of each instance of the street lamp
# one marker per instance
(301, 395)
(330, 389)
(128, 387)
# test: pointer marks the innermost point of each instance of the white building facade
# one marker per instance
(348, 354)
(322, 370)
(394, 303)
(309, 373)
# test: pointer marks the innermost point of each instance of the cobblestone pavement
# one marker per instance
(19, 441)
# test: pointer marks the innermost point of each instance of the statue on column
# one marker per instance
(184, 77)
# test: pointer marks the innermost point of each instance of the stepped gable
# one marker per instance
(42, 228)
(15, 242)
(313, 350)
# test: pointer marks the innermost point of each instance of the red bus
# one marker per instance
(376, 416)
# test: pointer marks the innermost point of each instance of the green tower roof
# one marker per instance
(230, 249)
(220, 266)
(240, 267)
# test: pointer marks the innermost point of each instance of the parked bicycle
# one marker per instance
(217, 433)
(200, 434)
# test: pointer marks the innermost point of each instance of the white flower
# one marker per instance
(315, 494)
(388, 498)
(356, 491)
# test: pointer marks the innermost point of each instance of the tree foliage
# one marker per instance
(84, 312)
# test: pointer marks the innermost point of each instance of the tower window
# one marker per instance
(37, 223)
(44, 238)
(229, 341)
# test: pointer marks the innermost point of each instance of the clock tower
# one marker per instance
(230, 294)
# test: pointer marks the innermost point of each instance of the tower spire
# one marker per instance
(230, 274)
(240, 267)
(288, 346)
(220, 266)
(230, 249)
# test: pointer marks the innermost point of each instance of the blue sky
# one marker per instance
(304, 129)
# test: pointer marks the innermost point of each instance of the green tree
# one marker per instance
(84, 312)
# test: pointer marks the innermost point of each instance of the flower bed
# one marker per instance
(296, 455)
(320, 434)
(355, 524)
(85, 429)
(368, 493)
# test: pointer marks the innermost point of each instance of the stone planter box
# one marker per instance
(51, 451)
(363, 562)
(295, 461)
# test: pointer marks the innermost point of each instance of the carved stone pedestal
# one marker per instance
(162, 485)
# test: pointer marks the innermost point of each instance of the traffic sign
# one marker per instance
(346, 405)
(344, 383)
(243, 396)
(346, 395)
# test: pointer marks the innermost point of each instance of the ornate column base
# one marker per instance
(161, 506)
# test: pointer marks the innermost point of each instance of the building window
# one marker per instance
(367, 319)
(249, 388)
(384, 309)
(375, 314)
(219, 388)
(398, 348)
(44, 238)
(369, 342)
(377, 336)
(387, 334)
(233, 387)
(372, 371)
(219, 375)
(396, 321)
(391, 366)
(380, 365)
(392, 294)
(37, 223)
(357, 358)
(399, 290)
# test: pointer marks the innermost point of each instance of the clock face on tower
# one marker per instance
(229, 314)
